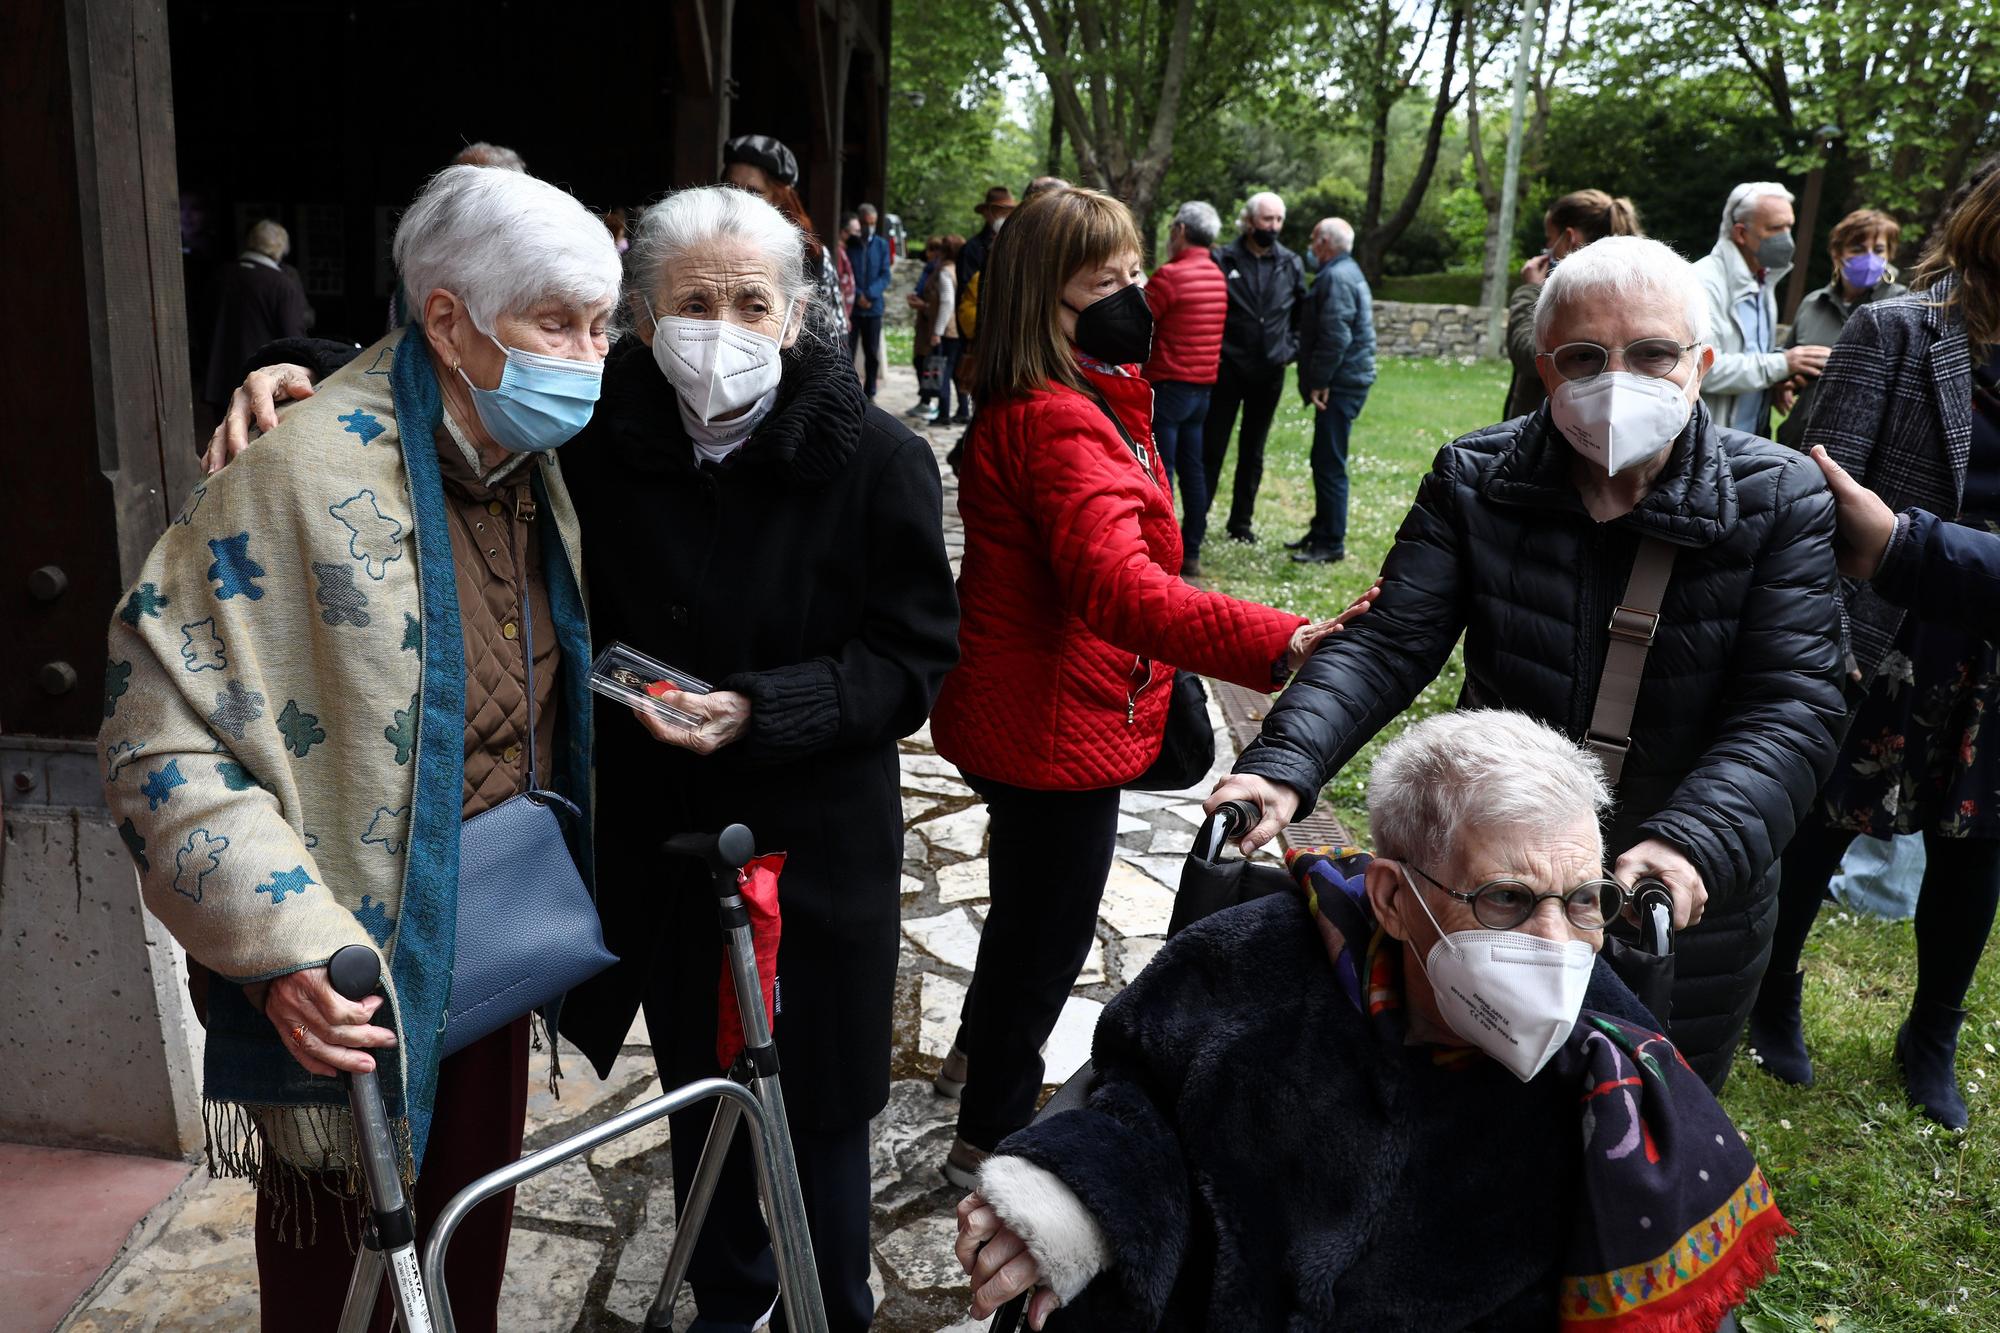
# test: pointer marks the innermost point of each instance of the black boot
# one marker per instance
(1926, 1048)
(1777, 1030)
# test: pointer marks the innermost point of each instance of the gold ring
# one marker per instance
(299, 1033)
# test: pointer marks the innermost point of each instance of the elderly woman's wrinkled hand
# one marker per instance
(998, 1262)
(254, 403)
(1656, 859)
(722, 717)
(325, 1032)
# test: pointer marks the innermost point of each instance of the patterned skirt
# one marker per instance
(1917, 759)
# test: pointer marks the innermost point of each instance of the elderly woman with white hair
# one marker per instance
(1305, 1100)
(753, 520)
(1629, 570)
(320, 673)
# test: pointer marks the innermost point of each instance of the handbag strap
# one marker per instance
(1138, 450)
(528, 658)
(1634, 622)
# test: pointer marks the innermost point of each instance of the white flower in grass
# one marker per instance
(1990, 1050)
(1784, 1124)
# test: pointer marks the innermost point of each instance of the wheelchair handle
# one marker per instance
(1654, 906)
(1231, 820)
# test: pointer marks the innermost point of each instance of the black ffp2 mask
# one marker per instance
(1118, 329)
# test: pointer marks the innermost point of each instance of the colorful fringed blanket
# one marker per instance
(1676, 1224)
(283, 741)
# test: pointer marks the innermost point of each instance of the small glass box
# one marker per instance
(631, 677)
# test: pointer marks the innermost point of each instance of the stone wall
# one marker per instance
(1409, 328)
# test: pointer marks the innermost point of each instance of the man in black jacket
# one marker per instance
(1267, 289)
(1524, 537)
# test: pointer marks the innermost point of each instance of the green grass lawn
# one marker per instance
(1899, 1222)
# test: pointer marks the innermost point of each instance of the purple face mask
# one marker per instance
(1863, 271)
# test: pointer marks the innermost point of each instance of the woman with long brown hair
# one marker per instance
(1572, 222)
(1910, 406)
(1072, 610)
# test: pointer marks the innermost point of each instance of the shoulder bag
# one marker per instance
(527, 928)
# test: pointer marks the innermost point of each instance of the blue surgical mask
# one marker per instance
(541, 401)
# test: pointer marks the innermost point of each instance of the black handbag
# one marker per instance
(527, 927)
(930, 378)
(1187, 748)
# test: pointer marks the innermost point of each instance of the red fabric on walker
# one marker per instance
(759, 882)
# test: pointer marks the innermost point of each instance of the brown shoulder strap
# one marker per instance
(1633, 625)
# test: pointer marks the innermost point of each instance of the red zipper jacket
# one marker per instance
(1190, 302)
(1071, 604)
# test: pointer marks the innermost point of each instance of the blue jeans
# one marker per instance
(1178, 411)
(1329, 467)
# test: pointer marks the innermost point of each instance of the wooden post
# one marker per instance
(100, 436)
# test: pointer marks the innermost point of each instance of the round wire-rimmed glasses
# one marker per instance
(1654, 358)
(1504, 904)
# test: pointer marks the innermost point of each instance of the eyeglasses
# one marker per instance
(1655, 358)
(1504, 904)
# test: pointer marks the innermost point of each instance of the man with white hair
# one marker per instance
(1189, 299)
(1304, 1096)
(1740, 276)
(262, 299)
(1336, 367)
(1267, 291)
(1626, 568)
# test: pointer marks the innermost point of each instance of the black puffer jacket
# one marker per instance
(1734, 729)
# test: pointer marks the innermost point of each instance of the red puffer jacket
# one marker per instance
(1190, 301)
(1070, 599)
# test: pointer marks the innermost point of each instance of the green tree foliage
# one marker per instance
(1125, 76)
(1896, 98)
(951, 131)
(1675, 152)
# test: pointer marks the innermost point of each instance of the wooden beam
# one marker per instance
(129, 200)
(698, 60)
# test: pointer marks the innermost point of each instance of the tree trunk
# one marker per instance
(1053, 165)
(1378, 144)
(1392, 228)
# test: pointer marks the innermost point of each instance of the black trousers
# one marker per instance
(1257, 397)
(1955, 906)
(1048, 854)
(867, 335)
(732, 1272)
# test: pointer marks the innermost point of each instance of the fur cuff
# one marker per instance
(1044, 1212)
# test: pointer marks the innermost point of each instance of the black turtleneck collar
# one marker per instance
(812, 431)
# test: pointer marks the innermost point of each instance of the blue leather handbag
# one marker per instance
(527, 928)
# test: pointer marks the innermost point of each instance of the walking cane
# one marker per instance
(389, 1233)
(726, 854)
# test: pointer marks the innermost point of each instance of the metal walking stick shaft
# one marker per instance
(777, 1165)
(390, 1239)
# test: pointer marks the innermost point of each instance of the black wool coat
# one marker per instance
(808, 572)
(1737, 713)
(1258, 1156)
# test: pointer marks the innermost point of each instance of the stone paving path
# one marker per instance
(590, 1238)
